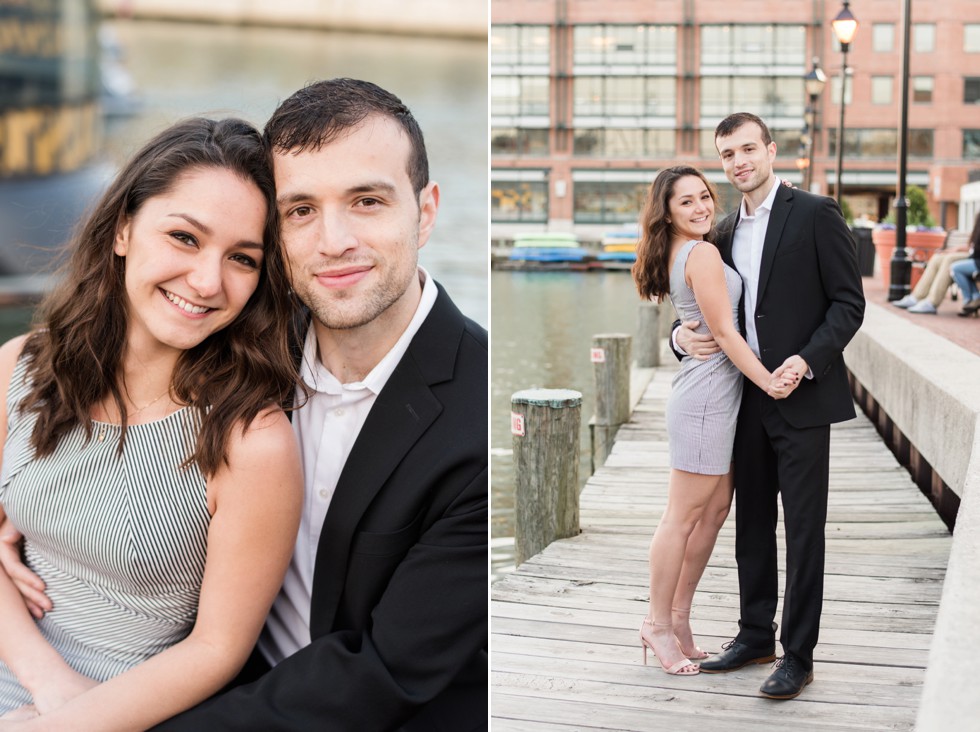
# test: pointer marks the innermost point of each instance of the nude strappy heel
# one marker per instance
(697, 654)
(682, 668)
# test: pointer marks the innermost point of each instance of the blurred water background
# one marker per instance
(543, 323)
(180, 69)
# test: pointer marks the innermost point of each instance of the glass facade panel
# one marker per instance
(753, 45)
(510, 141)
(881, 143)
(520, 44)
(608, 202)
(767, 97)
(519, 95)
(623, 143)
(624, 96)
(519, 201)
(625, 45)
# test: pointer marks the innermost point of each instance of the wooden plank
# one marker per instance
(564, 648)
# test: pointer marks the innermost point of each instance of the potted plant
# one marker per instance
(922, 236)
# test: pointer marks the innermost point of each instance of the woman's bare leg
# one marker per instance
(699, 547)
(688, 494)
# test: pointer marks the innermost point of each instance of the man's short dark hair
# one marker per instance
(321, 112)
(733, 121)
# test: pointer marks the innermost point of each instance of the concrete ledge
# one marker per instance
(928, 388)
(926, 385)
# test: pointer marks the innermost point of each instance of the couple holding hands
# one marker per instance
(751, 406)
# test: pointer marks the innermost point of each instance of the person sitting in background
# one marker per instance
(930, 291)
(964, 273)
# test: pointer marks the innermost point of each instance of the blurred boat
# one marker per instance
(549, 250)
(51, 122)
(618, 249)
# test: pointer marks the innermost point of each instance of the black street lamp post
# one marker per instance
(901, 267)
(813, 84)
(845, 26)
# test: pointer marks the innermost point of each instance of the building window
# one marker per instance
(971, 144)
(971, 90)
(883, 37)
(835, 89)
(625, 96)
(519, 95)
(611, 142)
(625, 45)
(511, 141)
(520, 45)
(519, 200)
(609, 202)
(971, 37)
(924, 37)
(881, 89)
(766, 96)
(922, 89)
(753, 45)
(881, 143)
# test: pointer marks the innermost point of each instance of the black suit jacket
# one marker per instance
(399, 608)
(810, 300)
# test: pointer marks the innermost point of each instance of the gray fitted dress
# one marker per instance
(705, 395)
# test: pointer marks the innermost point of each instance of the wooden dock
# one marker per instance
(565, 653)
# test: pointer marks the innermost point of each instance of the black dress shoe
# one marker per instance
(788, 680)
(735, 655)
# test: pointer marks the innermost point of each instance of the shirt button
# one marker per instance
(338, 412)
(324, 493)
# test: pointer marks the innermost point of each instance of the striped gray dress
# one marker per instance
(705, 395)
(120, 541)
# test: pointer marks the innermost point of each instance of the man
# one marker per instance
(802, 302)
(381, 623)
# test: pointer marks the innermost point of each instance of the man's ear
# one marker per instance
(428, 208)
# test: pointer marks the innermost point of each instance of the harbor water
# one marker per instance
(543, 323)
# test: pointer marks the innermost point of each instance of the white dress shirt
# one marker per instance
(747, 242)
(326, 427)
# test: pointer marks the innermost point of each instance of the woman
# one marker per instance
(147, 460)
(965, 271)
(674, 258)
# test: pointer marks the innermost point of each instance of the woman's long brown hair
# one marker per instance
(651, 271)
(74, 355)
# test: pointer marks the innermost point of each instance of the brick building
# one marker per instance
(590, 98)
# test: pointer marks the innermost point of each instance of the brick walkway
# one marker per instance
(964, 332)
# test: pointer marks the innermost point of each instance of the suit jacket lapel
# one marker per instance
(782, 206)
(401, 414)
(726, 234)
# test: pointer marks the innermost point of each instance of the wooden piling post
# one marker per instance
(611, 359)
(545, 426)
(648, 334)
